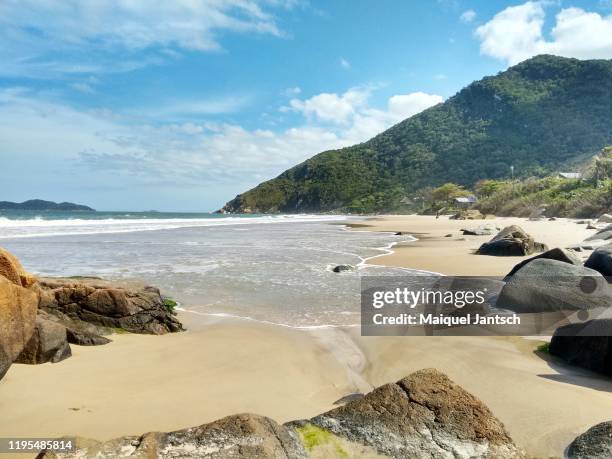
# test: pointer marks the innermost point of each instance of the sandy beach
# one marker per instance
(143, 383)
(454, 255)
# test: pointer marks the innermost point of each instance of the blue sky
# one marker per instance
(133, 104)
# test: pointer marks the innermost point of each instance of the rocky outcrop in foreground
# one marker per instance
(424, 415)
(18, 307)
(595, 443)
(511, 241)
(89, 307)
(40, 318)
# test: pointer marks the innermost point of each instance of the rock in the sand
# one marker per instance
(545, 285)
(595, 443)
(591, 226)
(105, 307)
(424, 415)
(470, 214)
(563, 255)
(587, 345)
(344, 268)
(511, 241)
(448, 235)
(482, 230)
(48, 343)
(603, 234)
(18, 307)
(242, 436)
(605, 218)
(601, 260)
(552, 219)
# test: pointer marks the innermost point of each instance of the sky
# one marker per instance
(181, 105)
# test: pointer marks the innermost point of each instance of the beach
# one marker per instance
(220, 367)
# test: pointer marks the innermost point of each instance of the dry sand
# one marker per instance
(454, 255)
(142, 383)
(147, 383)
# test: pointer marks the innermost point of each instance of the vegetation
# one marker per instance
(543, 348)
(587, 197)
(313, 436)
(539, 116)
(170, 304)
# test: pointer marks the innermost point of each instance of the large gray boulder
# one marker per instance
(587, 345)
(601, 260)
(242, 436)
(545, 285)
(424, 415)
(595, 443)
(563, 255)
(511, 241)
(605, 218)
(603, 234)
(48, 343)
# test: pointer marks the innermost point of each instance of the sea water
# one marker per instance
(275, 269)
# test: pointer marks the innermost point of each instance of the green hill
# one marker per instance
(541, 115)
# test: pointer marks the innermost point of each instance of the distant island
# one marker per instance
(41, 205)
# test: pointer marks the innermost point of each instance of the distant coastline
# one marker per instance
(41, 205)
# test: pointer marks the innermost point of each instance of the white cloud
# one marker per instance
(32, 32)
(77, 149)
(406, 105)
(332, 107)
(516, 34)
(291, 92)
(440, 77)
(344, 63)
(82, 87)
(467, 16)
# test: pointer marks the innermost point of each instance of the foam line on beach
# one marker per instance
(387, 250)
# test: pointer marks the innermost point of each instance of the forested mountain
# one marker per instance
(543, 114)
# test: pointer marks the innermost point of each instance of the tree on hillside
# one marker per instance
(444, 194)
(487, 187)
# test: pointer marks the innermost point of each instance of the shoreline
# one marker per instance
(225, 365)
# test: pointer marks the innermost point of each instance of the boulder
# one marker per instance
(605, 218)
(595, 443)
(343, 268)
(553, 254)
(92, 307)
(511, 241)
(482, 230)
(601, 260)
(470, 214)
(247, 436)
(48, 343)
(17, 318)
(422, 415)
(545, 285)
(603, 234)
(11, 269)
(587, 345)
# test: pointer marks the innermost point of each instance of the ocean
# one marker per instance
(275, 269)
